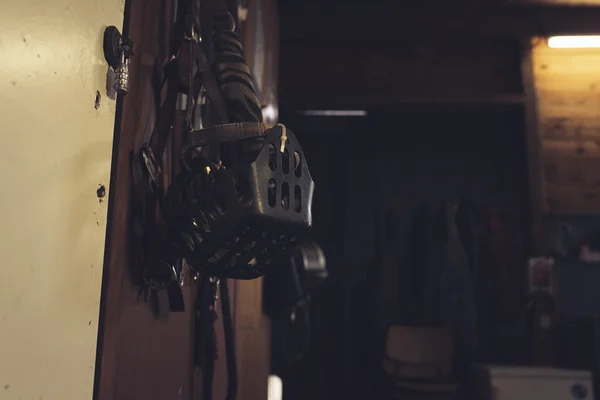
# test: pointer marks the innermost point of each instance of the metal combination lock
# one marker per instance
(118, 52)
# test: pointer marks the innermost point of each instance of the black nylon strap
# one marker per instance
(212, 88)
(206, 345)
(160, 133)
(206, 340)
(232, 378)
(228, 133)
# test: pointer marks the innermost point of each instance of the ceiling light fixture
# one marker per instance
(333, 113)
(574, 42)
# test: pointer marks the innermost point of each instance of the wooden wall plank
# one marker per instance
(567, 89)
(396, 22)
(253, 341)
(139, 356)
(532, 140)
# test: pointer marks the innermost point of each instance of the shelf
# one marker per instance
(311, 102)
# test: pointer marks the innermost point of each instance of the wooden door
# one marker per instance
(55, 161)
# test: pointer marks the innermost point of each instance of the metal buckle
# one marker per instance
(193, 35)
(152, 168)
(224, 23)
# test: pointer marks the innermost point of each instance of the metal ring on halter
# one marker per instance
(194, 36)
(153, 170)
(152, 283)
(224, 22)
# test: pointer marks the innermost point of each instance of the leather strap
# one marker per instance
(228, 133)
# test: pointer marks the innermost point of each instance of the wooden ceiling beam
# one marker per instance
(365, 24)
(346, 76)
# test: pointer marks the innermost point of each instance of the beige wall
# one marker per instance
(55, 151)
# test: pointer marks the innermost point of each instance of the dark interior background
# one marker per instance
(404, 155)
(444, 93)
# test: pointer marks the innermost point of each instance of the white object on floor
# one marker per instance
(275, 388)
(526, 383)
